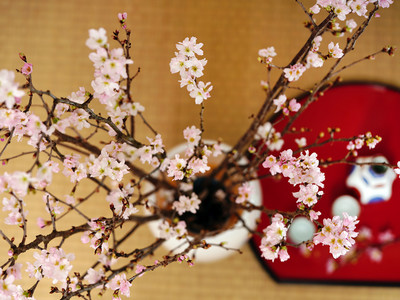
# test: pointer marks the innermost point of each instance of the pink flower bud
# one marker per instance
(26, 69)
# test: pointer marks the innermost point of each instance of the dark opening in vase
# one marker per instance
(215, 211)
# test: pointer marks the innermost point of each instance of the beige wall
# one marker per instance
(53, 33)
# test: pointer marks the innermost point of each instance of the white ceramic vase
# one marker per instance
(235, 237)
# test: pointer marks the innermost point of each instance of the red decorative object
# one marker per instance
(355, 108)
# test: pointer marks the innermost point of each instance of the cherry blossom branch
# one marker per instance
(8, 142)
(322, 85)
(310, 16)
(326, 163)
(46, 239)
(368, 57)
(265, 112)
(105, 161)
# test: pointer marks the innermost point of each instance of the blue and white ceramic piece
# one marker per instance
(372, 182)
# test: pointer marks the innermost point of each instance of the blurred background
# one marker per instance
(52, 35)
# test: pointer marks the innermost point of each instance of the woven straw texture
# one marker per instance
(53, 33)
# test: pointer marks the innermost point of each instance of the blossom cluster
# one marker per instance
(99, 167)
(269, 136)
(292, 106)
(16, 215)
(266, 55)
(9, 289)
(97, 236)
(195, 159)
(190, 68)
(314, 59)
(186, 203)
(119, 284)
(53, 263)
(147, 154)
(119, 200)
(342, 7)
(337, 233)
(26, 124)
(168, 231)
(9, 90)
(368, 139)
(274, 235)
(110, 69)
(244, 193)
(303, 171)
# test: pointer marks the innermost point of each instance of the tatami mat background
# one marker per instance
(52, 34)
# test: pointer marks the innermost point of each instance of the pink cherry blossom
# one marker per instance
(316, 43)
(315, 9)
(9, 290)
(195, 67)
(314, 60)
(341, 10)
(294, 106)
(244, 193)
(26, 69)
(190, 47)
(383, 3)
(314, 215)
(271, 138)
(168, 231)
(350, 25)
(186, 203)
(201, 92)
(119, 198)
(119, 282)
(274, 235)
(375, 254)
(99, 57)
(198, 165)
(334, 50)
(176, 167)
(337, 233)
(264, 84)
(122, 16)
(97, 38)
(303, 169)
(386, 236)
(192, 135)
(9, 90)
(16, 215)
(177, 64)
(279, 102)
(307, 194)
(372, 141)
(190, 68)
(294, 72)
(324, 3)
(301, 142)
(132, 108)
(94, 276)
(54, 264)
(216, 150)
(359, 7)
(283, 254)
(40, 222)
(267, 54)
(140, 270)
(180, 229)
